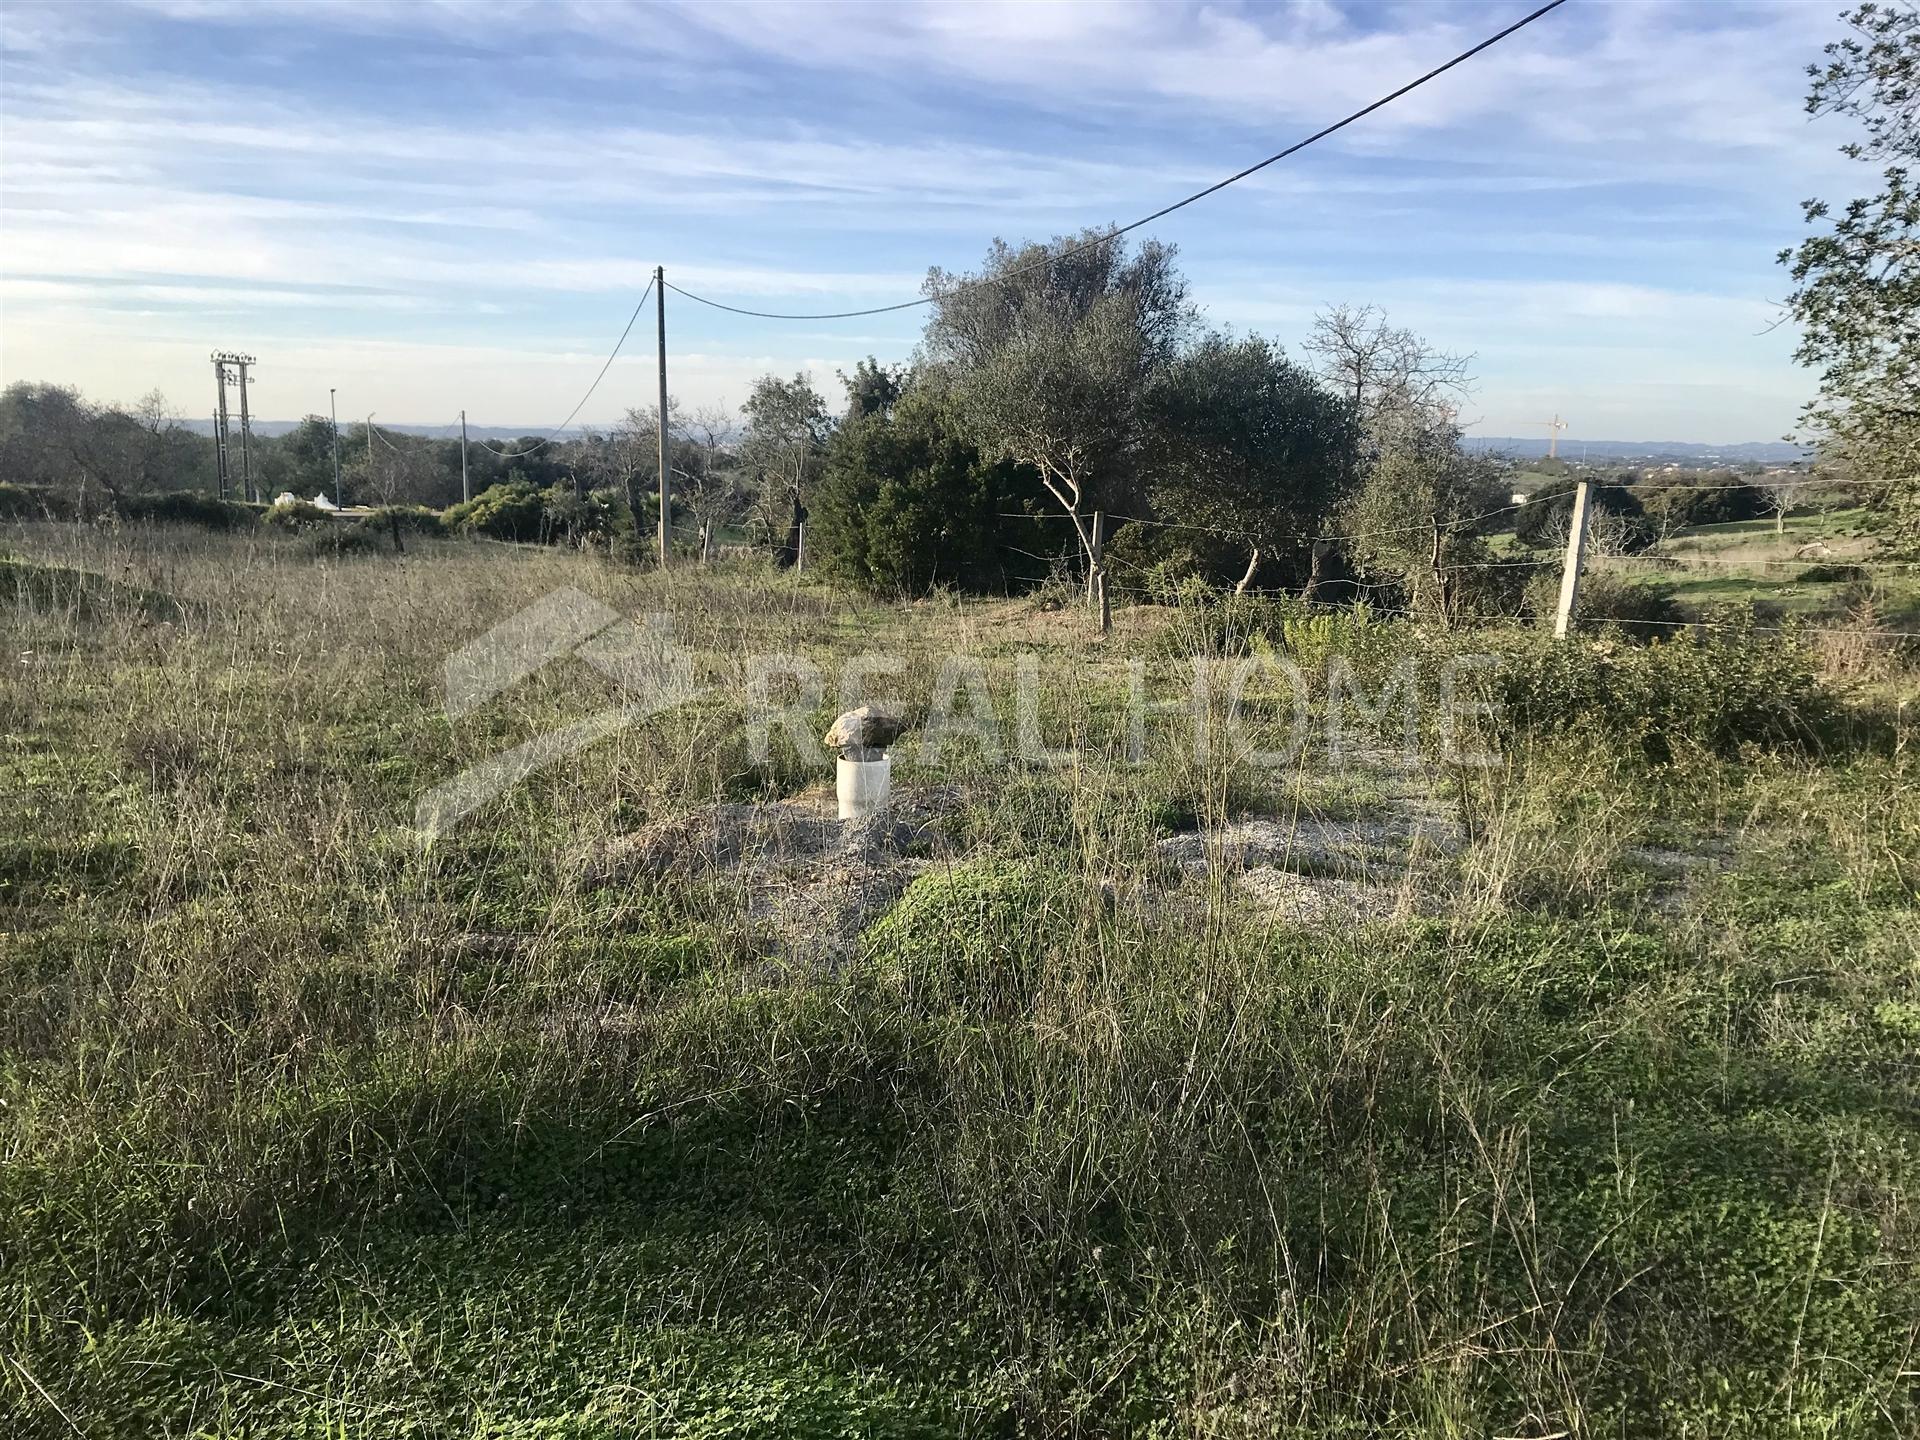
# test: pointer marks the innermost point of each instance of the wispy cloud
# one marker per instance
(423, 180)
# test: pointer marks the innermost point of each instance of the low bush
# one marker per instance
(336, 539)
(975, 936)
(33, 502)
(296, 515)
(187, 507)
(1645, 609)
(408, 519)
(1211, 621)
(1215, 622)
(508, 511)
(1719, 691)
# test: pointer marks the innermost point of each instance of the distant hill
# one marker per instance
(1641, 452)
(1683, 452)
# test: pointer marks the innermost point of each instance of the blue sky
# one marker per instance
(450, 204)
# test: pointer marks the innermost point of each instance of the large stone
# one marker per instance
(864, 733)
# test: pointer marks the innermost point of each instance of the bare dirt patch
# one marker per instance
(1312, 868)
(810, 882)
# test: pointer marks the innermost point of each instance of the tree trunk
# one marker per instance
(790, 552)
(1253, 564)
(1067, 495)
(1320, 549)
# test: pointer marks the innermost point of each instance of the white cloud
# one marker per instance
(1654, 153)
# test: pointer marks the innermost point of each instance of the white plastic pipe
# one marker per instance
(862, 786)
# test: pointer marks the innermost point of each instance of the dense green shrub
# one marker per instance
(973, 936)
(507, 511)
(576, 519)
(515, 510)
(188, 507)
(1718, 690)
(906, 504)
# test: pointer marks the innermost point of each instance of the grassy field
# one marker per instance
(1071, 1112)
(1749, 564)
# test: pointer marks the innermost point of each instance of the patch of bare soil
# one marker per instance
(1318, 870)
(811, 883)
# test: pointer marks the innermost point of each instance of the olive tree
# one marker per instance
(1414, 521)
(787, 429)
(1246, 441)
(94, 453)
(1053, 352)
(1411, 519)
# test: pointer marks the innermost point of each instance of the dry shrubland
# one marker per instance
(1596, 1115)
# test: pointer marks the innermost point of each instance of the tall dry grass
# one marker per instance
(311, 1126)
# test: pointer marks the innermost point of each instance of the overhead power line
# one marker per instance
(1165, 210)
(554, 433)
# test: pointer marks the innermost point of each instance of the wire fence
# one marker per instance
(1668, 563)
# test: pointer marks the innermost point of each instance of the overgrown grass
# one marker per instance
(310, 1127)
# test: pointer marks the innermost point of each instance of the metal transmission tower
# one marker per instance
(222, 359)
(222, 476)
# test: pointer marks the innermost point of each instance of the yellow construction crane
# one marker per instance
(1554, 427)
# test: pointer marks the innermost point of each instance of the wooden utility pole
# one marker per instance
(466, 490)
(333, 412)
(666, 482)
(371, 485)
(1576, 553)
(1442, 581)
